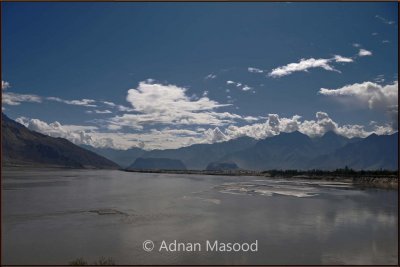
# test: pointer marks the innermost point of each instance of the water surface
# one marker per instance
(55, 216)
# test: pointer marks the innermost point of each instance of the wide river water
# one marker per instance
(55, 216)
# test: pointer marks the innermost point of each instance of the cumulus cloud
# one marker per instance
(364, 52)
(154, 103)
(153, 97)
(5, 85)
(356, 45)
(254, 70)
(302, 65)
(372, 94)
(322, 124)
(272, 126)
(339, 58)
(369, 94)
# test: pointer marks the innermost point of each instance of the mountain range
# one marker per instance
(284, 151)
(331, 151)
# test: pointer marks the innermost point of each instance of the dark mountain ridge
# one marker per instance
(21, 146)
(298, 151)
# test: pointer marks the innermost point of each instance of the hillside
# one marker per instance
(21, 146)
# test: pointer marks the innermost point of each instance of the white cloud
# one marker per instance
(363, 53)
(339, 58)
(82, 102)
(168, 104)
(108, 103)
(251, 118)
(243, 87)
(118, 107)
(176, 137)
(318, 127)
(75, 133)
(275, 125)
(302, 65)
(356, 45)
(386, 21)
(385, 41)
(369, 94)
(374, 34)
(210, 76)
(5, 85)
(246, 88)
(14, 99)
(102, 111)
(149, 98)
(372, 94)
(124, 109)
(272, 126)
(254, 70)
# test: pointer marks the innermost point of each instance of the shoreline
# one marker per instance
(382, 181)
(370, 181)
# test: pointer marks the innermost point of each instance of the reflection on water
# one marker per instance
(53, 217)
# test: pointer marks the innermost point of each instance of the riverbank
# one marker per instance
(382, 180)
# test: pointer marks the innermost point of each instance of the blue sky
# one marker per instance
(315, 67)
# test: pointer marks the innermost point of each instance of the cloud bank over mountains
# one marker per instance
(174, 138)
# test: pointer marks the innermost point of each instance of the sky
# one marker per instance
(167, 75)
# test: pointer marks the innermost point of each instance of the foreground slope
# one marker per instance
(21, 146)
